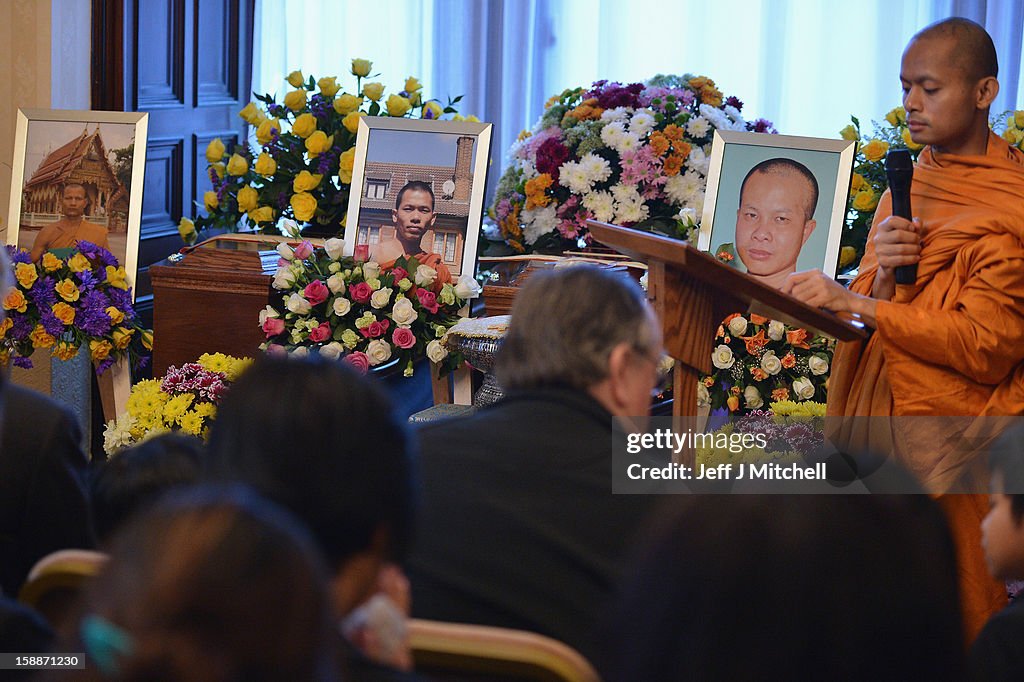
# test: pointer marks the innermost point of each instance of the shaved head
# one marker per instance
(972, 50)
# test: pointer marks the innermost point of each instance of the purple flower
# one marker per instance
(122, 300)
(52, 325)
(43, 293)
(22, 362)
(97, 253)
(762, 125)
(550, 156)
(21, 328)
(733, 101)
(611, 95)
(18, 255)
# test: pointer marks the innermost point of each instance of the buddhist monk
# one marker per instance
(951, 344)
(413, 217)
(72, 226)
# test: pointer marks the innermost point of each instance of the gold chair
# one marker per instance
(56, 581)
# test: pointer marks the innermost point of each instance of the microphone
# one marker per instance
(899, 169)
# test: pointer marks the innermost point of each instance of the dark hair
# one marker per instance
(565, 323)
(784, 165)
(211, 585)
(415, 185)
(324, 442)
(136, 477)
(801, 587)
(975, 53)
(1006, 459)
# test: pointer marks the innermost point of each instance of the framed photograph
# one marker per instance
(77, 175)
(418, 190)
(776, 204)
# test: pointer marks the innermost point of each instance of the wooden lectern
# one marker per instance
(692, 293)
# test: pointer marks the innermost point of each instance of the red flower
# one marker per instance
(797, 338)
(399, 273)
(316, 292)
(358, 360)
(403, 337)
(360, 292)
(376, 329)
(273, 326)
(320, 333)
(428, 300)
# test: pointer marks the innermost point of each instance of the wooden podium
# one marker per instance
(692, 293)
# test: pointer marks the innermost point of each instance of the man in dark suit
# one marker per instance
(519, 527)
(43, 500)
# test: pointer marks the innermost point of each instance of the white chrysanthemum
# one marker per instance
(697, 203)
(697, 127)
(572, 175)
(642, 122)
(631, 211)
(615, 114)
(625, 193)
(596, 168)
(612, 133)
(698, 160)
(527, 168)
(601, 205)
(627, 142)
(682, 189)
(716, 117)
(733, 113)
(118, 433)
(537, 222)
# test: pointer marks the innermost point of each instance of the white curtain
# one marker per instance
(806, 65)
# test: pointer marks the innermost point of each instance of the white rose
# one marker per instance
(285, 251)
(703, 397)
(738, 325)
(332, 351)
(425, 276)
(299, 352)
(335, 248)
(284, 278)
(268, 313)
(342, 306)
(378, 351)
(436, 352)
(803, 388)
(336, 283)
(752, 397)
(298, 305)
(371, 270)
(776, 330)
(467, 287)
(722, 357)
(770, 363)
(403, 313)
(334, 267)
(817, 364)
(380, 298)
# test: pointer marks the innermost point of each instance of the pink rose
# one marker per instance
(276, 350)
(316, 292)
(359, 361)
(303, 250)
(272, 326)
(360, 292)
(399, 273)
(376, 329)
(321, 333)
(428, 300)
(403, 337)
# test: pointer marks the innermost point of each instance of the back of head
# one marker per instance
(565, 323)
(137, 477)
(210, 585)
(800, 587)
(323, 442)
(1006, 459)
(972, 48)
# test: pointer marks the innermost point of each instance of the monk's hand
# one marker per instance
(815, 288)
(897, 242)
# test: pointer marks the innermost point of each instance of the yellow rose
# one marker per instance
(412, 84)
(295, 100)
(304, 125)
(329, 86)
(875, 150)
(432, 110)
(318, 143)
(416, 98)
(99, 350)
(304, 206)
(210, 200)
(237, 165)
(865, 200)
(63, 312)
(117, 277)
(398, 105)
(79, 263)
(41, 338)
(51, 262)
(458, 117)
(351, 122)
(147, 339)
(67, 290)
(265, 133)
(1018, 119)
(361, 67)
(250, 114)
(215, 150)
(849, 133)
(857, 182)
(306, 181)
(15, 300)
(263, 214)
(472, 119)
(186, 229)
(295, 79)
(26, 274)
(64, 351)
(265, 165)
(909, 141)
(846, 256)
(248, 199)
(1009, 136)
(122, 337)
(346, 104)
(219, 168)
(373, 91)
(115, 315)
(5, 326)
(345, 162)
(898, 116)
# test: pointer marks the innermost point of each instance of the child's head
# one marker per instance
(1003, 528)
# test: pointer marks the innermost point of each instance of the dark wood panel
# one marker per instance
(161, 198)
(160, 63)
(216, 67)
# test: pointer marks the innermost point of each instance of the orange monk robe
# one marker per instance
(951, 344)
(63, 235)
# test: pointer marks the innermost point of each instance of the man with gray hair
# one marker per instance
(519, 527)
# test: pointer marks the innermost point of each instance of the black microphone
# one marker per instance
(899, 169)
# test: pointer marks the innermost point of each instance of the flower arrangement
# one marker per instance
(634, 154)
(758, 360)
(185, 399)
(63, 304)
(869, 181)
(304, 167)
(363, 312)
